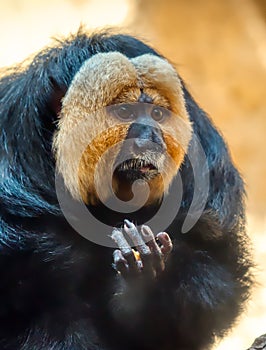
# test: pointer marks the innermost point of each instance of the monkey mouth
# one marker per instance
(134, 169)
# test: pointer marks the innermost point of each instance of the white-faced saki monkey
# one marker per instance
(95, 124)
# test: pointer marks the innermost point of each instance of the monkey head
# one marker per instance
(121, 120)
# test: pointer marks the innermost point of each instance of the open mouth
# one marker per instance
(137, 169)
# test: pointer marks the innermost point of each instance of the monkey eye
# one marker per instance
(159, 114)
(124, 112)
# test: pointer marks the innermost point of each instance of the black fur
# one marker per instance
(56, 288)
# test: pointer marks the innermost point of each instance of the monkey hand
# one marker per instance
(148, 260)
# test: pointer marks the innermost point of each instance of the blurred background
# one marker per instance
(219, 48)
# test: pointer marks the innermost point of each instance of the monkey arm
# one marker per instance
(200, 291)
(197, 287)
(41, 306)
(28, 280)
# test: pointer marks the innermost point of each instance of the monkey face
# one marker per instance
(144, 155)
(121, 121)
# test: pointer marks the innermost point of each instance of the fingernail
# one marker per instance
(127, 223)
(146, 230)
(166, 236)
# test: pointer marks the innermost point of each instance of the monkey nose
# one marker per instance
(142, 145)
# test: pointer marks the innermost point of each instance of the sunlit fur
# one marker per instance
(87, 130)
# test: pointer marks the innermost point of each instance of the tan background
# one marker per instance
(219, 48)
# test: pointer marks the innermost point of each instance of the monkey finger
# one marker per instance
(120, 263)
(143, 249)
(157, 255)
(166, 243)
(125, 249)
(136, 238)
